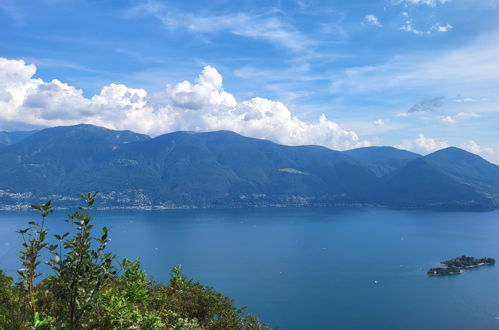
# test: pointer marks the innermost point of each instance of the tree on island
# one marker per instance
(88, 289)
(456, 265)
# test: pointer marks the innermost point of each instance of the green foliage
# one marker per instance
(457, 265)
(188, 299)
(468, 262)
(33, 243)
(126, 302)
(9, 303)
(38, 323)
(88, 291)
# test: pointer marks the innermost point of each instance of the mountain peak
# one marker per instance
(224, 168)
(454, 153)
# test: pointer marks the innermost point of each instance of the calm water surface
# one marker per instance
(313, 268)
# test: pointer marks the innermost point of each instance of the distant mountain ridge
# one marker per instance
(382, 160)
(225, 169)
(8, 138)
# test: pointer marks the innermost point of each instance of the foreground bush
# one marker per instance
(88, 289)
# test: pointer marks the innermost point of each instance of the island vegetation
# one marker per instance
(456, 265)
(88, 288)
(445, 271)
(468, 262)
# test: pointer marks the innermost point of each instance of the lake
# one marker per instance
(304, 268)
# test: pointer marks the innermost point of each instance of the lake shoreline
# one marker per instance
(353, 206)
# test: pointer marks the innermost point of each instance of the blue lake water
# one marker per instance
(313, 268)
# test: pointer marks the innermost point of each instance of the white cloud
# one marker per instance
(430, 3)
(466, 115)
(408, 27)
(266, 27)
(207, 91)
(200, 106)
(422, 145)
(379, 122)
(485, 152)
(372, 19)
(459, 117)
(472, 67)
(464, 100)
(442, 28)
(448, 120)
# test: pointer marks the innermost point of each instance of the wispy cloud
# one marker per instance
(472, 67)
(464, 99)
(430, 3)
(10, 9)
(265, 26)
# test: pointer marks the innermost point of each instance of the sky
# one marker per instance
(415, 74)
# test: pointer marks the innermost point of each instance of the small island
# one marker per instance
(444, 271)
(468, 262)
(456, 265)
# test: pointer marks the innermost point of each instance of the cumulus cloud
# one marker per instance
(459, 117)
(372, 20)
(475, 148)
(422, 145)
(202, 105)
(427, 105)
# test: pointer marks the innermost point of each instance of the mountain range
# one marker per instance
(224, 169)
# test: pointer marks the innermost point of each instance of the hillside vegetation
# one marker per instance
(88, 288)
(224, 169)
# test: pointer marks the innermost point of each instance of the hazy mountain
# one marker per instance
(226, 169)
(51, 161)
(382, 160)
(223, 166)
(451, 178)
(467, 168)
(8, 138)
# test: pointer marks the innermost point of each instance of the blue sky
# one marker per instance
(417, 74)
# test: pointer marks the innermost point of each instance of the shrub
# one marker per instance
(87, 290)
